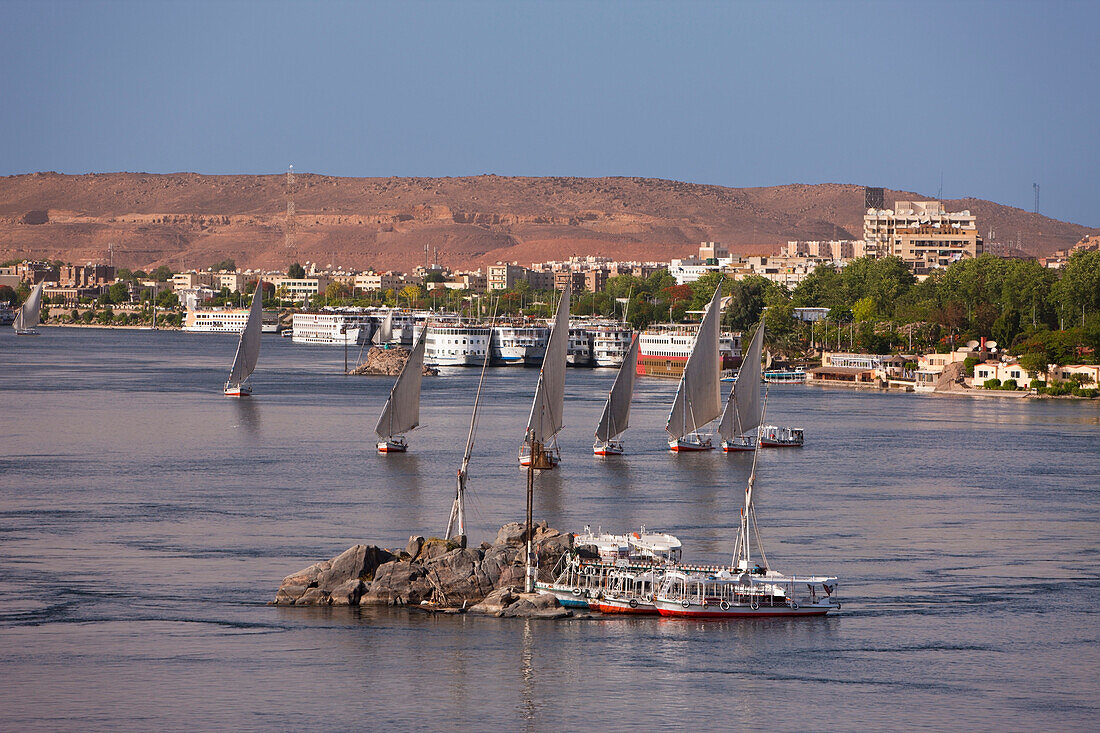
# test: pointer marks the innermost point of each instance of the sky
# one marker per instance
(987, 97)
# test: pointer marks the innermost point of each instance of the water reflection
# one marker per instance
(528, 708)
(248, 414)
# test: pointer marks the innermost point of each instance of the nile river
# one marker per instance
(145, 520)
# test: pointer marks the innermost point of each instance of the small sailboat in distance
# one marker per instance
(384, 334)
(401, 413)
(743, 411)
(27, 317)
(248, 348)
(539, 449)
(616, 411)
(698, 396)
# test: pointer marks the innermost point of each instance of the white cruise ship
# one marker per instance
(332, 328)
(579, 353)
(226, 320)
(663, 349)
(610, 343)
(519, 345)
(455, 344)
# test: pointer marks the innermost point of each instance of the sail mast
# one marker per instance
(458, 508)
(248, 347)
(746, 510)
(402, 410)
(616, 411)
(698, 395)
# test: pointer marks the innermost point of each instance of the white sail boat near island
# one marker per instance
(539, 447)
(28, 316)
(248, 349)
(401, 413)
(616, 411)
(698, 397)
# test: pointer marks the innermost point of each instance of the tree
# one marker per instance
(168, 299)
(1035, 363)
(7, 294)
(864, 309)
(162, 274)
(226, 265)
(119, 292)
(296, 271)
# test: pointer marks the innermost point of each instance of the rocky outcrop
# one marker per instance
(444, 573)
(388, 362)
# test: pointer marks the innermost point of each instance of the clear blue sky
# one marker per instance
(993, 95)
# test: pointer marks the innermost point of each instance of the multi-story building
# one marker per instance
(235, 281)
(301, 288)
(922, 233)
(504, 275)
(192, 280)
(834, 250)
(85, 276)
(377, 281)
(569, 278)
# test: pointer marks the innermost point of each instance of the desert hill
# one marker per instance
(189, 220)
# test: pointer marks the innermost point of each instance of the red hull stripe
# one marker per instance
(737, 614)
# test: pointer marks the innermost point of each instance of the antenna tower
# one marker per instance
(289, 227)
(1036, 187)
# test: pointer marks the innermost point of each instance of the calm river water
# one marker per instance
(145, 519)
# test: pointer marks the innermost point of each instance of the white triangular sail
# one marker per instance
(29, 315)
(743, 407)
(546, 409)
(384, 334)
(698, 397)
(248, 348)
(616, 411)
(401, 412)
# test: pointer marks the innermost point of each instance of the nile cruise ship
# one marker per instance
(663, 349)
(332, 328)
(226, 320)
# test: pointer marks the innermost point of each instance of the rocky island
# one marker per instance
(388, 362)
(438, 573)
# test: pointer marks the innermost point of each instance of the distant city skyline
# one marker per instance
(988, 97)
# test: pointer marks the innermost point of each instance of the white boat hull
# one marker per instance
(393, 445)
(635, 606)
(738, 446)
(689, 444)
(725, 609)
(611, 448)
(238, 391)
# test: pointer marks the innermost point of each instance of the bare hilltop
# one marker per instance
(187, 220)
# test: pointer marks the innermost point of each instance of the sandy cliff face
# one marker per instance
(191, 220)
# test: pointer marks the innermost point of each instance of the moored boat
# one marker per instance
(776, 436)
(749, 588)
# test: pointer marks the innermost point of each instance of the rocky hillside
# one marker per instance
(188, 220)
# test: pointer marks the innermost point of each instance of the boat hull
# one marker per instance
(690, 446)
(607, 449)
(392, 446)
(566, 597)
(238, 392)
(675, 610)
(633, 606)
(26, 332)
(735, 447)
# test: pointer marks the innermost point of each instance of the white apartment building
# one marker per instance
(922, 233)
(377, 281)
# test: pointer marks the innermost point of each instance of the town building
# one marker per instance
(504, 275)
(301, 288)
(377, 282)
(85, 276)
(921, 233)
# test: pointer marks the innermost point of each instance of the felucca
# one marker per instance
(539, 447)
(248, 348)
(27, 317)
(698, 397)
(616, 411)
(743, 408)
(401, 413)
(750, 588)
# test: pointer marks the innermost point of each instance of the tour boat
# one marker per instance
(330, 327)
(785, 376)
(248, 349)
(749, 588)
(519, 345)
(698, 396)
(580, 347)
(401, 413)
(616, 411)
(610, 344)
(742, 411)
(664, 349)
(774, 436)
(630, 592)
(457, 344)
(28, 316)
(539, 449)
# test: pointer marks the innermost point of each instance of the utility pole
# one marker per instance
(288, 231)
(1036, 187)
